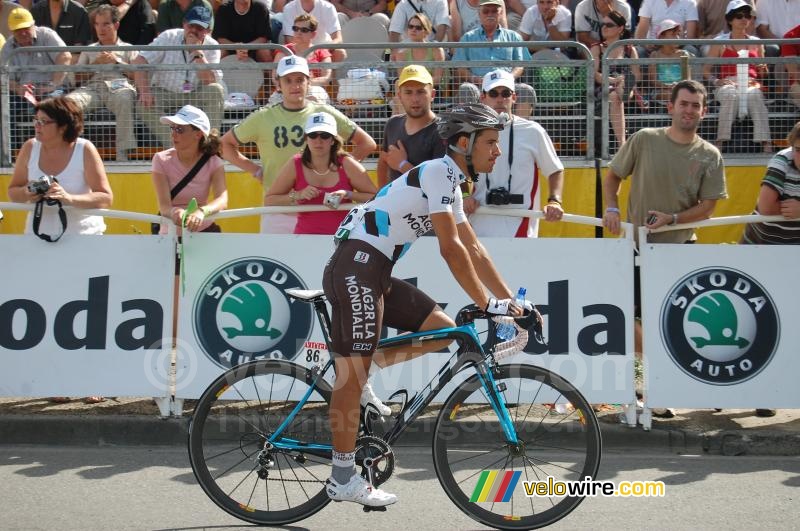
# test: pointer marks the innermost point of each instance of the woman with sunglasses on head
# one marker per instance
(622, 80)
(419, 28)
(305, 29)
(322, 174)
(724, 79)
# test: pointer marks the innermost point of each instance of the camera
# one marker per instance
(501, 196)
(41, 185)
(332, 200)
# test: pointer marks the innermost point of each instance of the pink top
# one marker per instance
(167, 163)
(319, 222)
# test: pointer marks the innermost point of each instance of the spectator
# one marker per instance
(548, 20)
(80, 180)
(137, 20)
(490, 31)
(652, 12)
(278, 132)
(171, 13)
(663, 76)
(435, 10)
(350, 9)
(589, 16)
(711, 18)
(410, 138)
(328, 27)
(322, 174)
(779, 196)
(514, 11)
(622, 80)
(418, 30)
(67, 17)
(676, 177)
(777, 17)
(727, 91)
(172, 89)
(793, 79)
(526, 150)
(27, 87)
(464, 17)
(6, 7)
(110, 89)
(305, 29)
(244, 22)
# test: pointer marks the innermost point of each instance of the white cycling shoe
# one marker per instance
(358, 490)
(368, 396)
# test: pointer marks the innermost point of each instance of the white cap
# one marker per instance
(292, 63)
(322, 122)
(189, 115)
(498, 78)
(666, 25)
(733, 5)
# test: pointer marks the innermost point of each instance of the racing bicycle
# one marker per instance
(260, 441)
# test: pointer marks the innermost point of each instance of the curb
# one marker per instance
(116, 430)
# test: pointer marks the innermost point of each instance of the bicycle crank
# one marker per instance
(376, 459)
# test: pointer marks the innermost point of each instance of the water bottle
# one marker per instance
(504, 331)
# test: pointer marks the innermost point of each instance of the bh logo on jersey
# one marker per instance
(241, 313)
(720, 326)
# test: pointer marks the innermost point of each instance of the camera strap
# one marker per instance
(510, 149)
(37, 219)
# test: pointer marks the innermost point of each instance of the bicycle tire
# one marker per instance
(468, 441)
(227, 436)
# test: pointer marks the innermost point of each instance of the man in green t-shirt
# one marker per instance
(676, 178)
(277, 130)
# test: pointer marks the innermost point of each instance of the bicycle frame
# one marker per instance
(464, 357)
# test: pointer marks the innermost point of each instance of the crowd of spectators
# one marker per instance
(301, 24)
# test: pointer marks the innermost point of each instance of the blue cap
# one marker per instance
(200, 15)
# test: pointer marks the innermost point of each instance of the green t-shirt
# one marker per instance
(668, 177)
(278, 133)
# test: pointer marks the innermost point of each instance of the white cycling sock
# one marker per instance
(344, 466)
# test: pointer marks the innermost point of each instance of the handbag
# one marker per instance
(156, 227)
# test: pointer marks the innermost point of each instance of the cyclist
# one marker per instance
(363, 295)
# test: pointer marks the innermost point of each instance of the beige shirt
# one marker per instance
(668, 177)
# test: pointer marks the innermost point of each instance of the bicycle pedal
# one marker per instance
(368, 509)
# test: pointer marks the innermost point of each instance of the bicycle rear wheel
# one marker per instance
(483, 474)
(229, 446)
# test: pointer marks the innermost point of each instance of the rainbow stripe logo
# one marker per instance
(495, 486)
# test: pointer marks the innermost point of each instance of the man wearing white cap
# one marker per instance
(171, 89)
(527, 152)
(277, 130)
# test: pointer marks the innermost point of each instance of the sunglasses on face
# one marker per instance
(415, 27)
(748, 16)
(610, 25)
(319, 134)
(298, 29)
(180, 129)
(505, 93)
(41, 122)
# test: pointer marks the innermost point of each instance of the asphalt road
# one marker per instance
(152, 488)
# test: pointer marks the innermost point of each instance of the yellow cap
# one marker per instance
(415, 73)
(20, 18)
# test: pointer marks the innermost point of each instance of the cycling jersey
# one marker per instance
(400, 212)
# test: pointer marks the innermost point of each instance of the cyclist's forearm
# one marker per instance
(488, 274)
(460, 265)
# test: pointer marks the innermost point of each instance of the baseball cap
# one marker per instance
(498, 78)
(733, 5)
(200, 15)
(292, 63)
(491, 2)
(415, 73)
(320, 121)
(666, 25)
(20, 18)
(189, 115)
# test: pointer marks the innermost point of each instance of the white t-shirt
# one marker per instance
(681, 11)
(174, 80)
(534, 157)
(323, 11)
(436, 10)
(533, 25)
(779, 15)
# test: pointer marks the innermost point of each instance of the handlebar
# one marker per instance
(530, 320)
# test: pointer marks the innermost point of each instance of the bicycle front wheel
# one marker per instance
(236, 457)
(485, 476)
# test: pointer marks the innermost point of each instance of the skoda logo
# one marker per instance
(241, 313)
(720, 326)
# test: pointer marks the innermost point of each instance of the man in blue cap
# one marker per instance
(167, 90)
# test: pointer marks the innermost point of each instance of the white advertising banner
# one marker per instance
(720, 326)
(86, 315)
(234, 310)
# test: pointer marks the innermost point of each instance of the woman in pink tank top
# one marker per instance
(322, 174)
